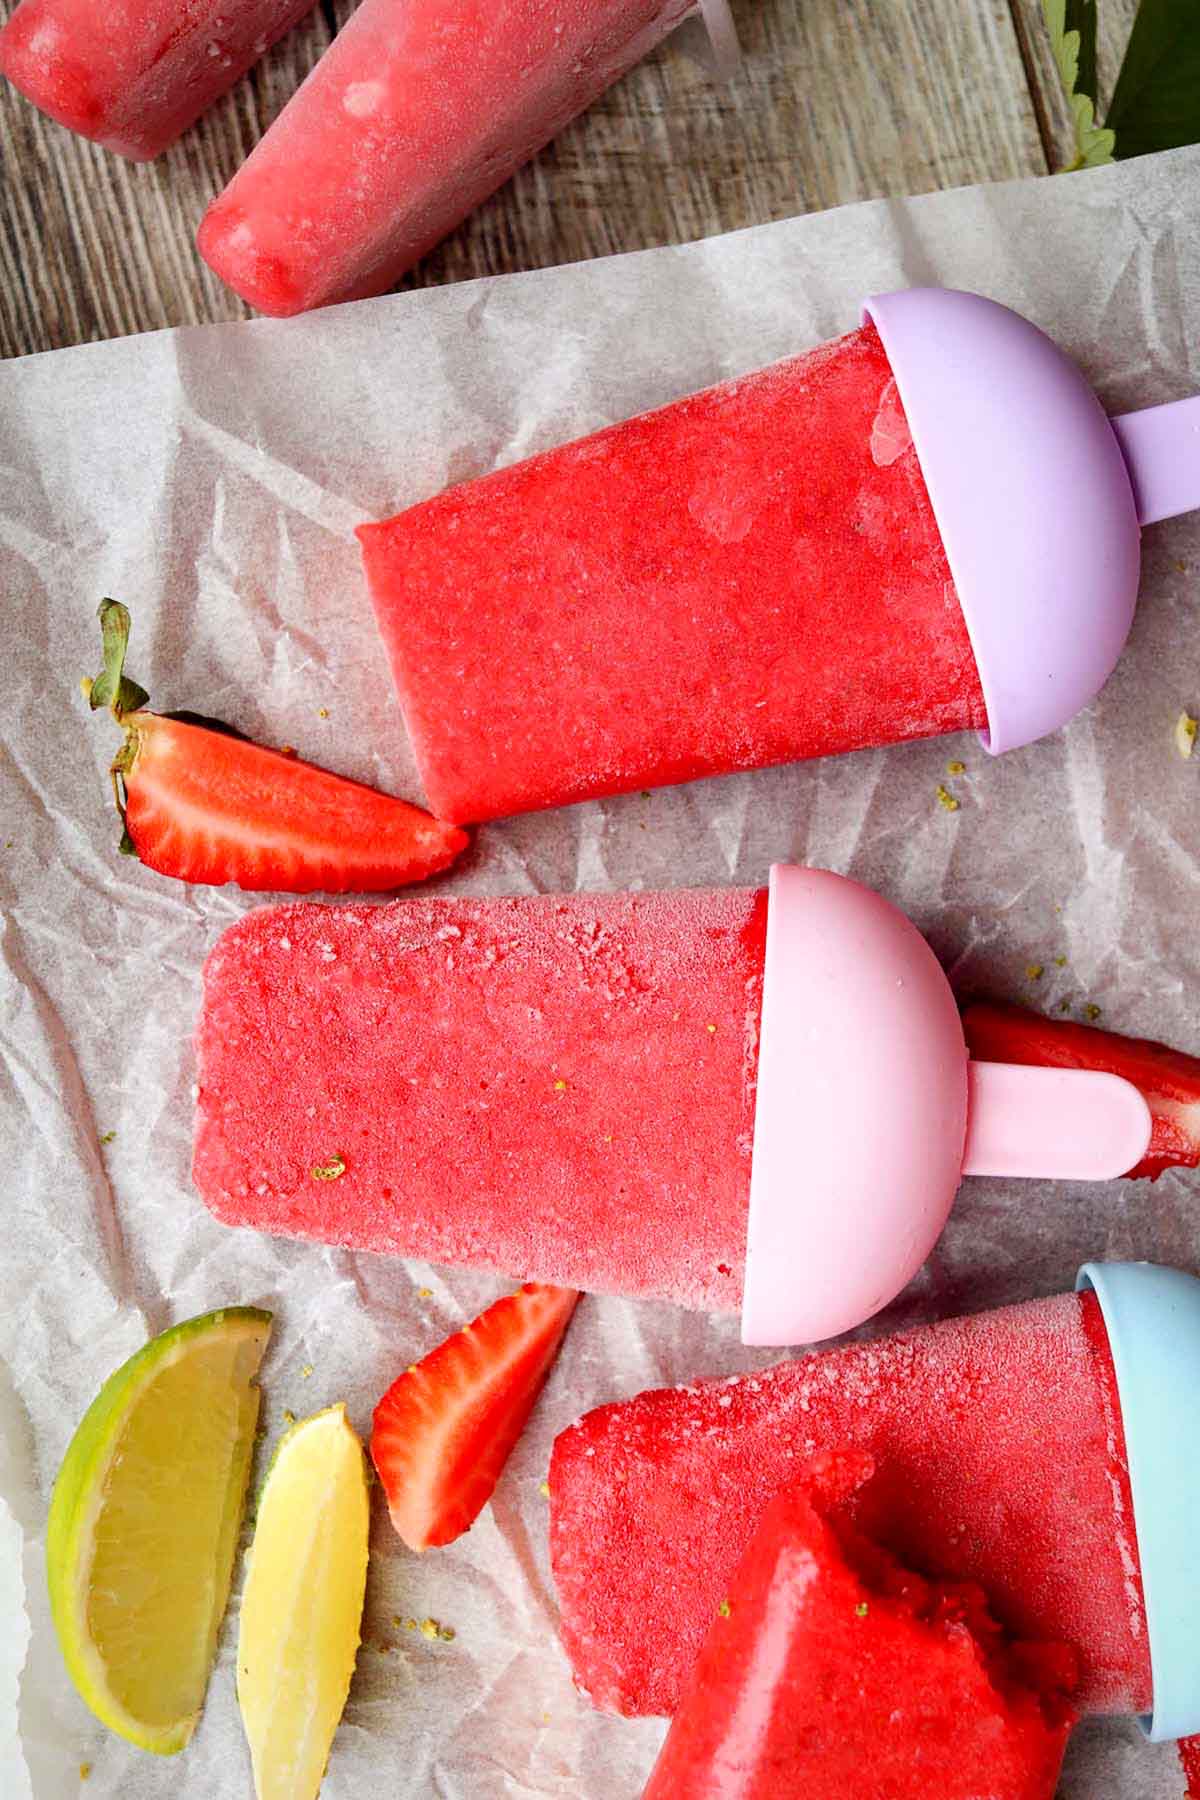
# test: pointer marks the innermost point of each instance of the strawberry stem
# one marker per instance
(112, 687)
(122, 696)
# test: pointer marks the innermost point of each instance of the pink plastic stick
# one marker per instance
(1059, 1124)
(133, 74)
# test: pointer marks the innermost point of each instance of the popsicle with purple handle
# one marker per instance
(927, 525)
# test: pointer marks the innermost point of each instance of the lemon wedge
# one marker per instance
(144, 1524)
(302, 1606)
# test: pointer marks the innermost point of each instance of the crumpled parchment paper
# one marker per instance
(211, 478)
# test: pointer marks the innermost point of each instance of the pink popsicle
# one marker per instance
(133, 74)
(418, 111)
(1000, 1459)
(561, 1087)
(753, 575)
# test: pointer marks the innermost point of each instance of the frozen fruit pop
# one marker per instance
(1045, 1451)
(830, 1669)
(571, 1088)
(924, 526)
(418, 111)
(133, 74)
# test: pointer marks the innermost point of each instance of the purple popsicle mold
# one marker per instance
(1038, 496)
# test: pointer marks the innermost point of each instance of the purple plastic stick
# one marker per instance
(1161, 447)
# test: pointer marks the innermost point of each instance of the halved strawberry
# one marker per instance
(1169, 1080)
(203, 803)
(445, 1428)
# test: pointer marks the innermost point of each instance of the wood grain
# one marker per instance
(837, 100)
(1115, 23)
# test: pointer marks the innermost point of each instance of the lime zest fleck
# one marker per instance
(956, 768)
(332, 1170)
(724, 1609)
(108, 1137)
(1092, 1011)
(945, 799)
(861, 1610)
(544, 1490)
(1034, 971)
(1185, 734)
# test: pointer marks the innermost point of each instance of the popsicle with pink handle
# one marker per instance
(418, 111)
(925, 526)
(1046, 1451)
(133, 74)
(652, 1093)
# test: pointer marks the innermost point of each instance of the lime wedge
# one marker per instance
(302, 1606)
(144, 1524)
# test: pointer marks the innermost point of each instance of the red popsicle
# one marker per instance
(133, 74)
(560, 1087)
(831, 1670)
(752, 575)
(418, 111)
(569, 1088)
(1000, 1459)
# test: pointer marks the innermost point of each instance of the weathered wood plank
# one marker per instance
(1115, 23)
(838, 100)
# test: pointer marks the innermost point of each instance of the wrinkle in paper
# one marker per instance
(211, 478)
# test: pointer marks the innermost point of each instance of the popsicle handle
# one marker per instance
(710, 37)
(1161, 447)
(1059, 1124)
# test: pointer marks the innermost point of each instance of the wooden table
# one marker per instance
(838, 100)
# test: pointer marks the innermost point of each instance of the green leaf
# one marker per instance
(1072, 27)
(1156, 105)
(112, 687)
(1081, 17)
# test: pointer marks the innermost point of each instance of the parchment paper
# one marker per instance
(211, 478)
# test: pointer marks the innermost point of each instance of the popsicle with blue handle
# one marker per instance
(1045, 1451)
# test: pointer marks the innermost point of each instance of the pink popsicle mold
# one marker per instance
(869, 1112)
(1038, 496)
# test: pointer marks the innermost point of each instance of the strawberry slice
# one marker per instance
(203, 803)
(1169, 1080)
(445, 1428)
